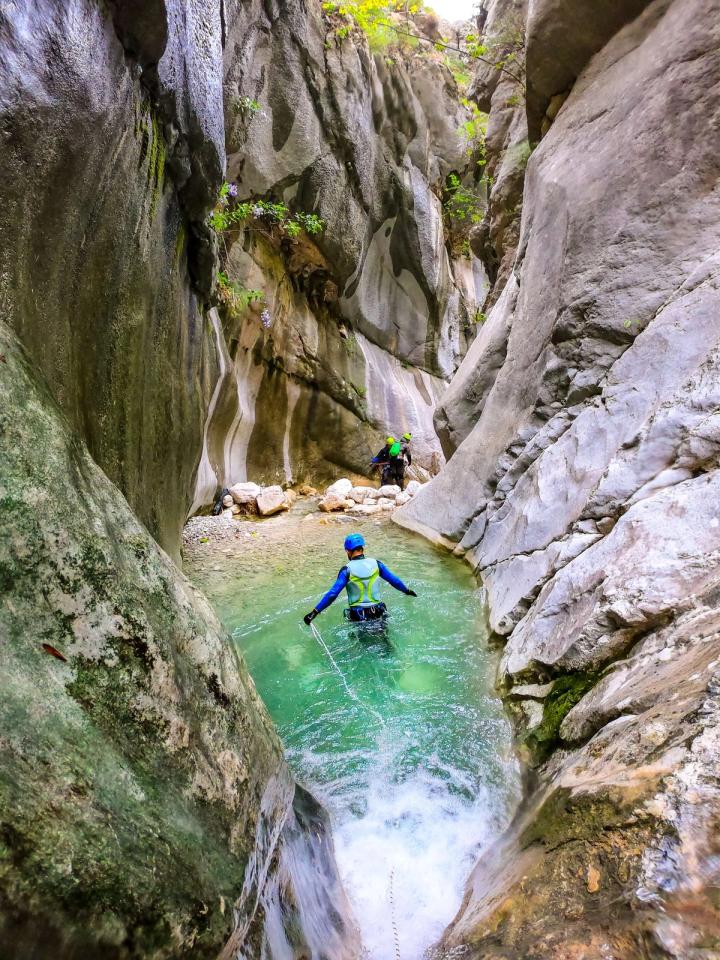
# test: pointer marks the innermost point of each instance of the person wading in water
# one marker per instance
(359, 577)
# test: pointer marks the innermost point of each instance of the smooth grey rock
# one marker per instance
(562, 36)
(272, 500)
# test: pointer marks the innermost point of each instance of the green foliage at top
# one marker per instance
(474, 131)
(372, 17)
(234, 297)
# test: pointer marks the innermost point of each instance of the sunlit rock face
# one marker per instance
(368, 320)
(584, 440)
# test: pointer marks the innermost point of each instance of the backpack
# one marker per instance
(395, 448)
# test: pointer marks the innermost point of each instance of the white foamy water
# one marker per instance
(427, 840)
(407, 839)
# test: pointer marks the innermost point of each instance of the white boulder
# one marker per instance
(359, 494)
(272, 500)
(227, 514)
(341, 488)
(402, 498)
(365, 509)
(389, 490)
(349, 504)
(243, 493)
(331, 502)
(227, 500)
(385, 503)
(413, 487)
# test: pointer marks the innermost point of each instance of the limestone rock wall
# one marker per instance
(143, 794)
(583, 490)
(106, 180)
(370, 319)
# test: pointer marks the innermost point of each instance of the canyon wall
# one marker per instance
(582, 485)
(367, 320)
(145, 807)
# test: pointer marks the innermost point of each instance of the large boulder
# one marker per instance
(390, 490)
(332, 502)
(360, 494)
(245, 493)
(272, 500)
(341, 488)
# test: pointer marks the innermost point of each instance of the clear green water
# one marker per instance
(418, 795)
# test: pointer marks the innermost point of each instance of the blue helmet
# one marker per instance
(354, 540)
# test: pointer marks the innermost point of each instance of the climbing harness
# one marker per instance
(351, 693)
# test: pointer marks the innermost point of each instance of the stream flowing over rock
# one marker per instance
(584, 442)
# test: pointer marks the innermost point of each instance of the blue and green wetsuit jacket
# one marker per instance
(359, 577)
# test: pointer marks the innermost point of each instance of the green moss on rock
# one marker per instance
(567, 690)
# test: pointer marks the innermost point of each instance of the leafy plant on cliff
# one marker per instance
(247, 106)
(261, 213)
(235, 298)
(462, 204)
(504, 50)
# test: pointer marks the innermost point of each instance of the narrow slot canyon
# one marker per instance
(428, 296)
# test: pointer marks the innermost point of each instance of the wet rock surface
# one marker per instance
(97, 221)
(582, 489)
(142, 786)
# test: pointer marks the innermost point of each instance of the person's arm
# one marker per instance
(393, 580)
(409, 456)
(330, 596)
(380, 457)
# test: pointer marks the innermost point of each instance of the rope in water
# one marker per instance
(396, 935)
(351, 693)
